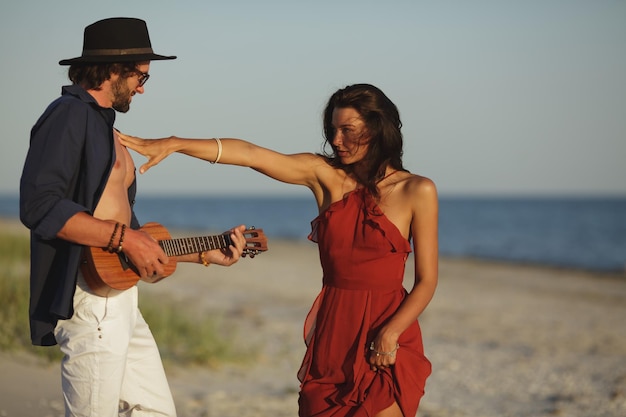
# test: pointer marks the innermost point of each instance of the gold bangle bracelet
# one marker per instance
(203, 259)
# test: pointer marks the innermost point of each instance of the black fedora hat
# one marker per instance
(118, 39)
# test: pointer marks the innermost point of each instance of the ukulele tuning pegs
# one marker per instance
(249, 252)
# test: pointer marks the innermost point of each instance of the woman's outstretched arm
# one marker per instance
(300, 169)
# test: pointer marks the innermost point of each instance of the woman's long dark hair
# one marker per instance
(382, 122)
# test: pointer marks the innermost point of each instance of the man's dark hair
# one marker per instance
(382, 124)
(91, 76)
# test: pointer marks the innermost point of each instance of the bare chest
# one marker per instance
(123, 172)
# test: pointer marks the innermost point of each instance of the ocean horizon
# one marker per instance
(586, 233)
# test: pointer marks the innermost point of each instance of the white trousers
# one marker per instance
(111, 365)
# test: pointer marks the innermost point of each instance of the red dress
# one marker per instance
(363, 256)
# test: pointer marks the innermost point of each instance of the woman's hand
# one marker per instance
(382, 353)
(154, 149)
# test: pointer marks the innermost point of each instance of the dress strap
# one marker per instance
(387, 176)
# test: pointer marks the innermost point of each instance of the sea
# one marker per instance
(566, 232)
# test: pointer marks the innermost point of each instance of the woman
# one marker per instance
(364, 352)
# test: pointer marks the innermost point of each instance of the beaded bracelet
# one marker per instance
(119, 245)
(110, 246)
(393, 352)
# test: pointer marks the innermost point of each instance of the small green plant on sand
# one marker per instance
(184, 338)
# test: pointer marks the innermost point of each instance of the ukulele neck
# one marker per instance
(187, 245)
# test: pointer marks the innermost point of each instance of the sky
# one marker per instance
(500, 97)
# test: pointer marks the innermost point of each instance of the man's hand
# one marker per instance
(145, 253)
(230, 255)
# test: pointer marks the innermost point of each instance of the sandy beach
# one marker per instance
(504, 340)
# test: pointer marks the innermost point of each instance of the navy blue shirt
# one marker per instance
(69, 161)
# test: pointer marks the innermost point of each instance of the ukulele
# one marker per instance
(104, 271)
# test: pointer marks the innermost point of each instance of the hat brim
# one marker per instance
(114, 58)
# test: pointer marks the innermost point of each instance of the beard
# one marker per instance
(121, 95)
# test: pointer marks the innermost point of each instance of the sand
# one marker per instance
(504, 340)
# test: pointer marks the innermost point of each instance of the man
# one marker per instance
(77, 191)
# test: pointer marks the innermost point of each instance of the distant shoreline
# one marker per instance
(9, 224)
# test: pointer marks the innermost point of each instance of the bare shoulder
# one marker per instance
(408, 197)
(420, 192)
(418, 186)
